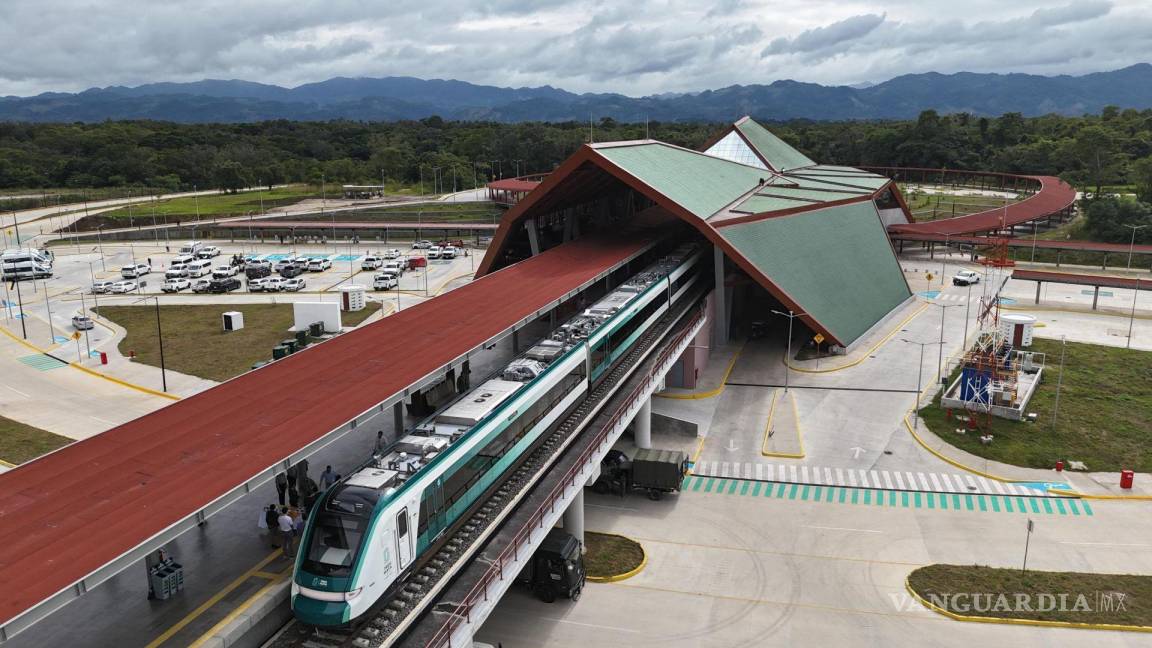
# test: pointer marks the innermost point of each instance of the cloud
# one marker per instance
(826, 37)
(638, 47)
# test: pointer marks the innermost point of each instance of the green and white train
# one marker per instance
(365, 534)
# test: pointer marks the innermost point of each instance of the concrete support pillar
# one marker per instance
(398, 418)
(1038, 284)
(533, 236)
(515, 341)
(1095, 296)
(573, 518)
(720, 299)
(642, 425)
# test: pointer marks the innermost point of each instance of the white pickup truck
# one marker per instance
(965, 278)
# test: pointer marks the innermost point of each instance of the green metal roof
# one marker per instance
(776, 151)
(808, 194)
(760, 204)
(700, 183)
(836, 263)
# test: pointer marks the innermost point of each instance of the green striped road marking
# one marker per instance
(42, 362)
(873, 497)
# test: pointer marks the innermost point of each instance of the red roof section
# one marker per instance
(69, 513)
(1027, 242)
(1082, 279)
(1054, 195)
(514, 184)
(399, 225)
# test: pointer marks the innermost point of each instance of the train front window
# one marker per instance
(335, 540)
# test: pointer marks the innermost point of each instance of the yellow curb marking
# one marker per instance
(1027, 622)
(628, 574)
(864, 355)
(768, 427)
(712, 392)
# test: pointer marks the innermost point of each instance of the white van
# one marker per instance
(191, 248)
(199, 268)
(182, 259)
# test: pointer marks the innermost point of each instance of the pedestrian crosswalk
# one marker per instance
(969, 502)
(892, 480)
(956, 297)
(42, 362)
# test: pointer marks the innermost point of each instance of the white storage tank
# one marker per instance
(233, 320)
(1017, 329)
(352, 298)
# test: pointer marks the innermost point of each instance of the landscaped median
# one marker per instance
(20, 442)
(610, 557)
(1058, 599)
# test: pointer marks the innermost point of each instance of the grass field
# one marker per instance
(939, 584)
(20, 442)
(1105, 417)
(194, 342)
(611, 555)
(926, 207)
(219, 205)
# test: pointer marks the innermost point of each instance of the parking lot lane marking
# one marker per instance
(697, 482)
(891, 498)
(995, 503)
(855, 495)
(1035, 507)
(708, 485)
(1072, 505)
(899, 480)
(612, 508)
(956, 502)
(18, 392)
(852, 478)
(843, 494)
(1048, 506)
(732, 486)
(931, 500)
(1060, 505)
(831, 494)
(760, 472)
(998, 486)
(943, 501)
(1107, 544)
(792, 492)
(923, 481)
(780, 491)
(935, 482)
(756, 489)
(817, 493)
(887, 480)
(916, 499)
(947, 482)
(592, 625)
(828, 528)
(904, 499)
(1020, 508)
(1087, 508)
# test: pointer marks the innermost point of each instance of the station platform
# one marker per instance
(76, 518)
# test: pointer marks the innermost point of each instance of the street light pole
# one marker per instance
(787, 367)
(160, 340)
(48, 305)
(919, 377)
(940, 358)
(1132, 243)
(100, 245)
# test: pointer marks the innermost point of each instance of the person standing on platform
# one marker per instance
(281, 486)
(287, 528)
(271, 523)
(327, 478)
(293, 495)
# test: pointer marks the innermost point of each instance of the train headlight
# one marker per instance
(348, 596)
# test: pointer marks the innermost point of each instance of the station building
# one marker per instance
(787, 233)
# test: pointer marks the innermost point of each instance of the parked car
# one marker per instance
(417, 262)
(273, 284)
(434, 252)
(371, 262)
(291, 271)
(175, 285)
(223, 285)
(384, 281)
(392, 253)
(965, 278)
(224, 271)
(121, 287)
(319, 265)
(208, 252)
(101, 287)
(301, 262)
(176, 272)
(83, 323)
(421, 245)
(282, 263)
(295, 284)
(257, 271)
(201, 285)
(135, 270)
(448, 252)
(395, 267)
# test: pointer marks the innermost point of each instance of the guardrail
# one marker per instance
(479, 592)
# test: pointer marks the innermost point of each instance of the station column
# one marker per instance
(574, 518)
(720, 299)
(642, 425)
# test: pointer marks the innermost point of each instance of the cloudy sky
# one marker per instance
(630, 46)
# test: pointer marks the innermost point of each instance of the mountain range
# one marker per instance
(392, 98)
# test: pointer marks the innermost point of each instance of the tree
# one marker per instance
(1142, 177)
(1095, 149)
(1107, 219)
